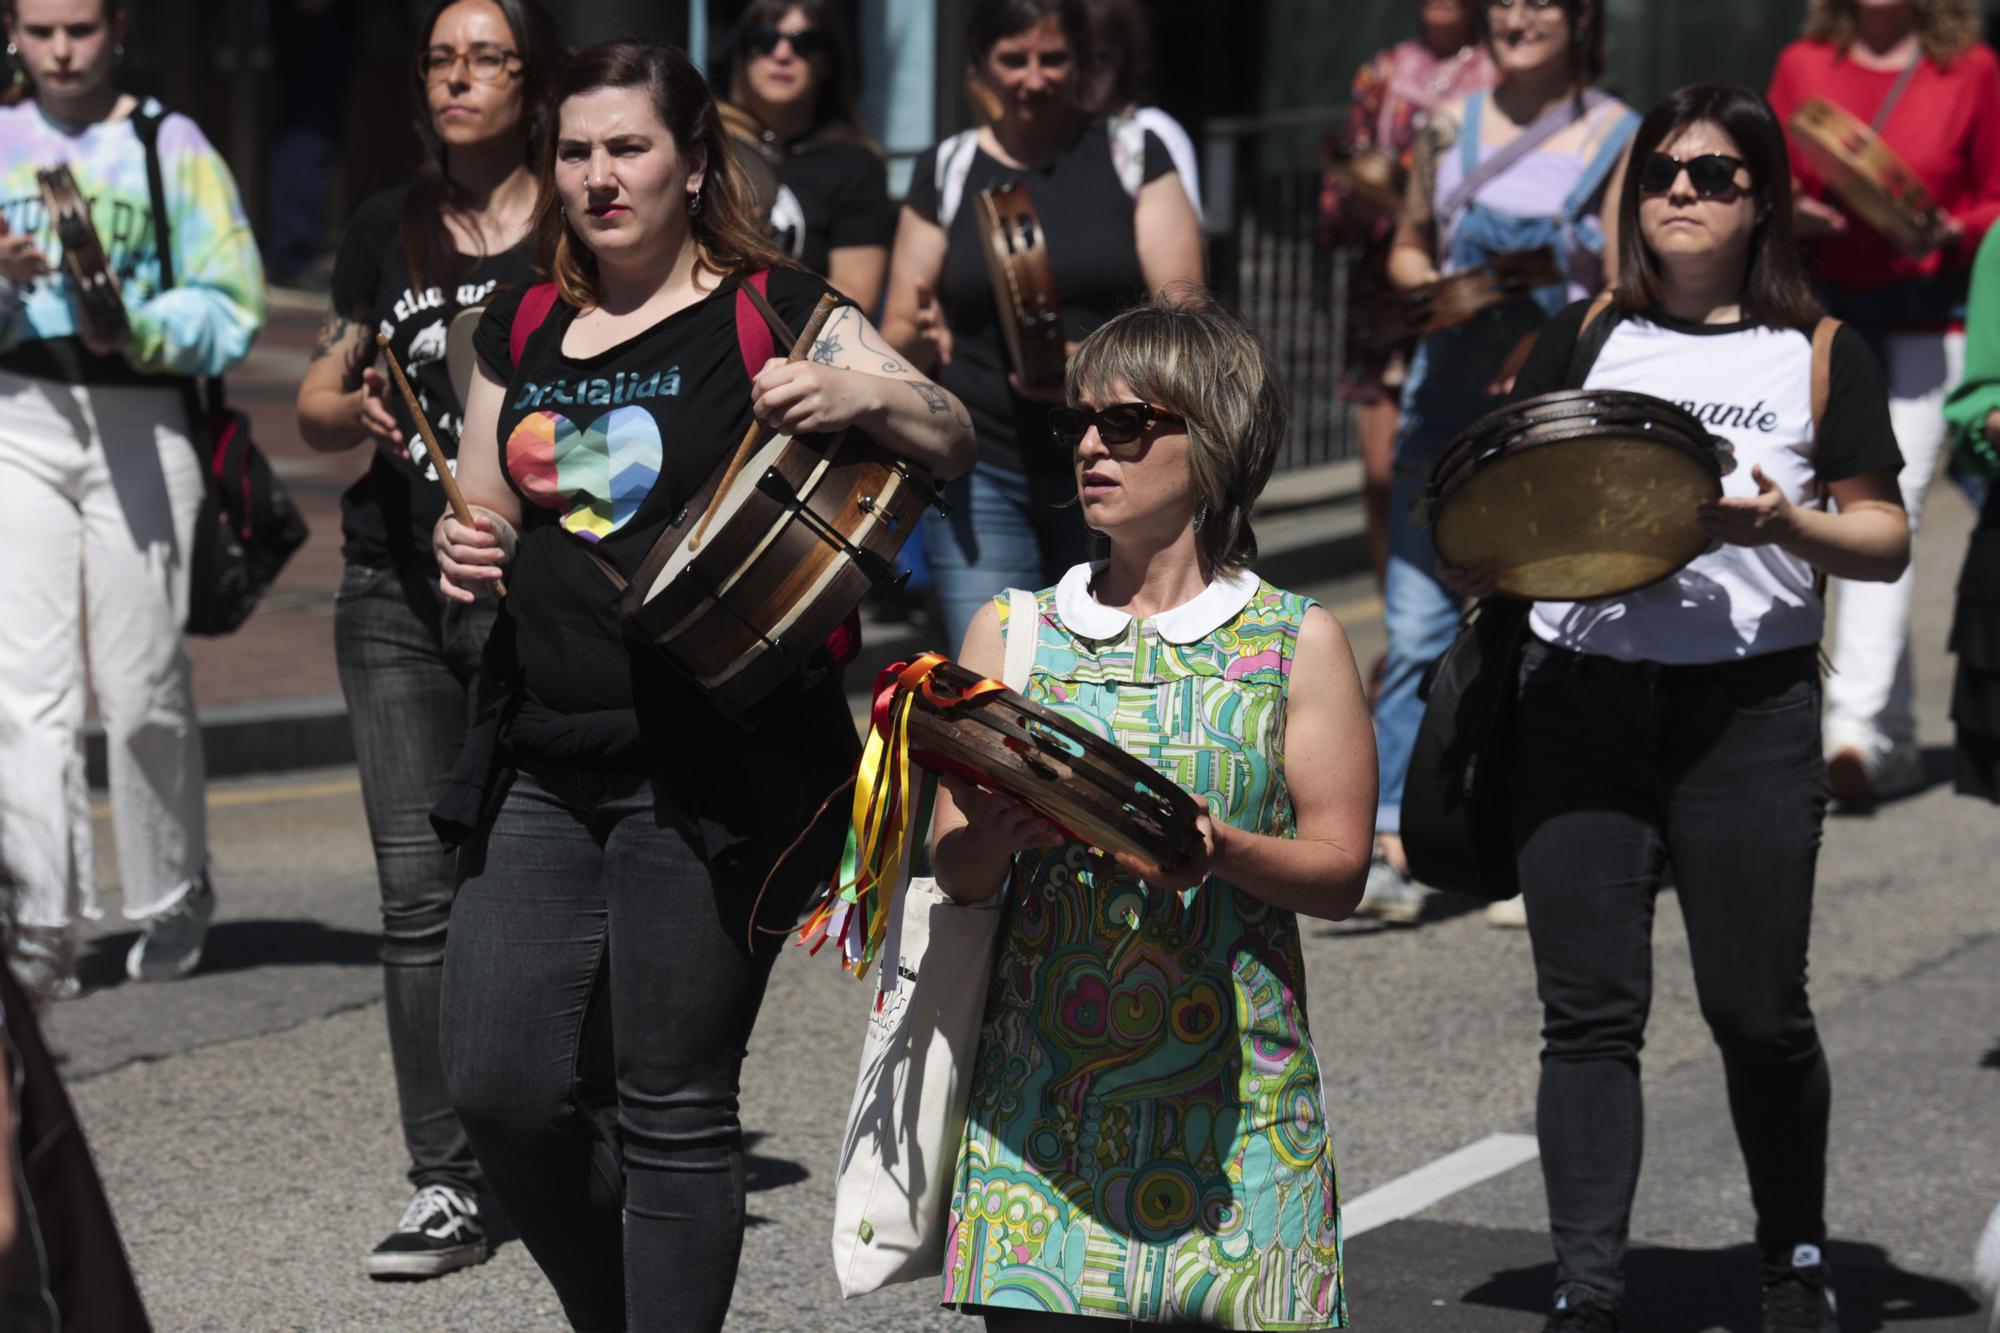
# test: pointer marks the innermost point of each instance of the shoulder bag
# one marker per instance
(899, 1149)
(248, 526)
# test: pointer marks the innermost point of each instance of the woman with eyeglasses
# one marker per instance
(1115, 227)
(614, 927)
(1145, 1098)
(101, 487)
(1679, 724)
(1390, 103)
(1916, 71)
(410, 260)
(1526, 166)
(792, 82)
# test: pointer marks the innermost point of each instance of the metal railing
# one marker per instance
(1260, 196)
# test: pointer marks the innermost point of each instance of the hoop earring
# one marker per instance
(1201, 513)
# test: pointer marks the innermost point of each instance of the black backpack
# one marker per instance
(248, 526)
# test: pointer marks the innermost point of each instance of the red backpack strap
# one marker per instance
(753, 335)
(535, 305)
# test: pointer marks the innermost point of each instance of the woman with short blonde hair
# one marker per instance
(1247, 696)
(1916, 71)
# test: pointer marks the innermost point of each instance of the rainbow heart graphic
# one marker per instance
(598, 475)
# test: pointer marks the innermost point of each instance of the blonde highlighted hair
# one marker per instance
(1945, 27)
(1185, 353)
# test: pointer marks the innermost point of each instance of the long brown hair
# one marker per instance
(430, 255)
(1776, 291)
(1945, 27)
(729, 239)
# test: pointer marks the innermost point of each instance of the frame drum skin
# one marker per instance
(1576, 495)
(1870, 179)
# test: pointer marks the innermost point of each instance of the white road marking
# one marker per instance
(1411, 1194)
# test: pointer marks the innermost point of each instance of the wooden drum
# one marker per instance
(1575, 494)
(1090, 788)
(1874, 183)
(1396, 317)
(1371, 179)
(1024, 286)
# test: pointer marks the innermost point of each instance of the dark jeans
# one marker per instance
(1620, 767)
(600, 988)
(409, 663)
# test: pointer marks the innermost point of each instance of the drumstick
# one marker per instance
(742, 456)
(459, 508)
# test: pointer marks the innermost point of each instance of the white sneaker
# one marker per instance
(1986, 1271)
(1391, 895)
(170, 946)
(439, 1233)
(1508, 914)
(43, 961)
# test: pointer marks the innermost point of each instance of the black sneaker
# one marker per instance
(1799, 1299)
(1581, 1315)
(440, 1231)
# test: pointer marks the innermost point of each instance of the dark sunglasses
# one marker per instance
(1119, 425)
(1713, 175)
(763, 39)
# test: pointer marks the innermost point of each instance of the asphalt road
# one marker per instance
(245, 1119)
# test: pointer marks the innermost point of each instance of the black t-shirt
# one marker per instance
(386, 516)
(1087, 226)
(834, 194)
(604, 451)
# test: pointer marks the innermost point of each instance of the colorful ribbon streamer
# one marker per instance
(861, 908)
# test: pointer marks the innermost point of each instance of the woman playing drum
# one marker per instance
(1110, 237)
(793, 76)
(621, 825)
(1110, 1031)
(409, 657)
(1680, 724)
(99, 492)
(1471, 199)
(1974, 413)
(1391, 101)
(1916, 72)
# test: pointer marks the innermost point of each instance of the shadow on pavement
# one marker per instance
(235, 946)
(1691, 1291)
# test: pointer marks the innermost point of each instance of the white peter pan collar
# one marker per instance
(1212, 608)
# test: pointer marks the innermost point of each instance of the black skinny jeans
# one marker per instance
(600, 988)
(409, 665)
(1619, 768)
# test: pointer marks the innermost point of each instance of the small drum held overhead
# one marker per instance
(1576, 494)
(1024, 286)
(1876, 184)
(1396, 317)
(1086, 785)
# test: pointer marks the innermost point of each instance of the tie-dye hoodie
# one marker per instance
(204, 325)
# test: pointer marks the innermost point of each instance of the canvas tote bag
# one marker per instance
(900, 1145)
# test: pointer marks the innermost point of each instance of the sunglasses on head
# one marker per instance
(1713, 175)
(763, 38)
(1120, 426)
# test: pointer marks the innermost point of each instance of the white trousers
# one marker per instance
(1869, 698)
(99, 489)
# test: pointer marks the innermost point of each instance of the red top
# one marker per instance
(1946, 128)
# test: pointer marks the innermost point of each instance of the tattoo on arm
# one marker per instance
(934, 398)
(331, 330)
(826, 349)
(890, 364)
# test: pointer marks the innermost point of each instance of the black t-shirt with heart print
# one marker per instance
(604, 451)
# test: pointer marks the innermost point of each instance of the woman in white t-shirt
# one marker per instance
(1680, 723)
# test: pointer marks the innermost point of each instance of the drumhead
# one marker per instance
(1576, 495)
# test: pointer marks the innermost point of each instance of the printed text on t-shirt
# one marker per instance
(600, 392)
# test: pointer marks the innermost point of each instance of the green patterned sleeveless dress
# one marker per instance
(1145, 1139)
